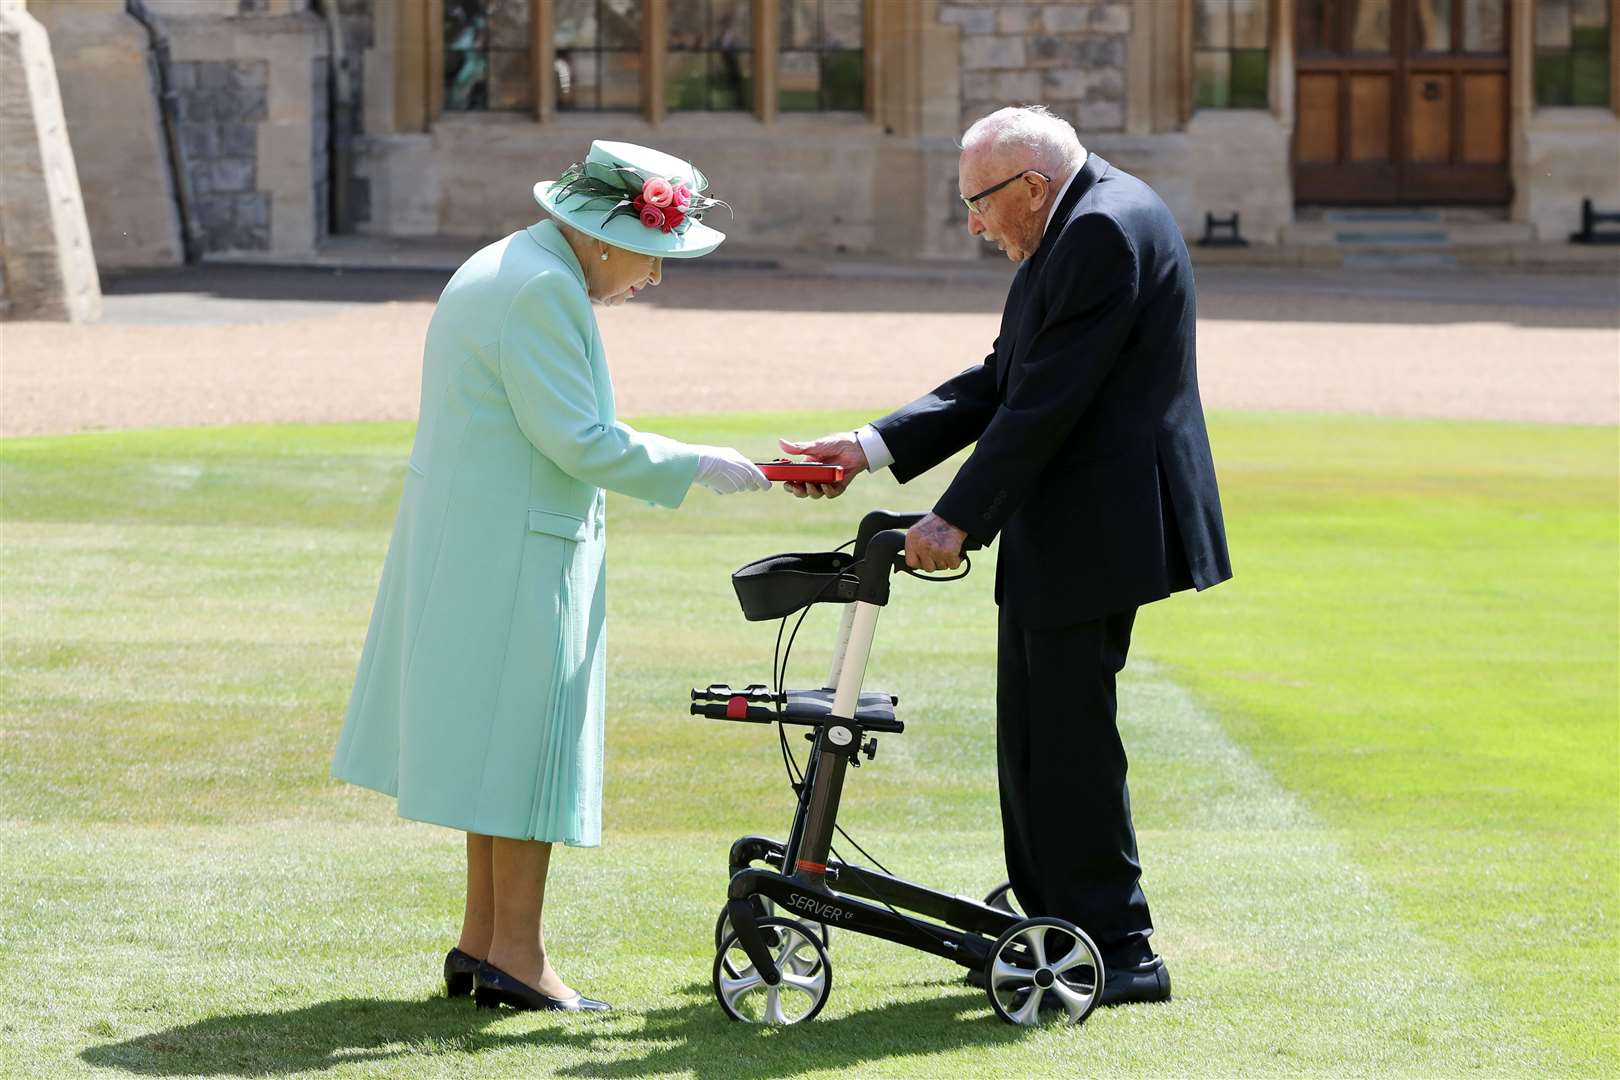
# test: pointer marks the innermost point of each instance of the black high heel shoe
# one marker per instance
(493, 988)
(458, 973)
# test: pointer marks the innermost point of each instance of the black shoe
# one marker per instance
(493, 988)
(1142, 983)
(1138, 985)
(458, 973)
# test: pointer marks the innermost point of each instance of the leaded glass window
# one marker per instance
(1483, 26)
(1572, 52)
(487, 56)
(1231, 60)
(597, 47)
(822, 63)
(710, 61)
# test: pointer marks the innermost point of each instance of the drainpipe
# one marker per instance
(340, 124)
(190, 232)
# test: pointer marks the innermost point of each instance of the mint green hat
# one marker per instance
(637, 198)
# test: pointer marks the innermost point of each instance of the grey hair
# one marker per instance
(1033, 133)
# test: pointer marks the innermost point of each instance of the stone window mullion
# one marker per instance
(766, 27)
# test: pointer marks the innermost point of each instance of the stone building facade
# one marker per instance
(47, 270)
(831, 125)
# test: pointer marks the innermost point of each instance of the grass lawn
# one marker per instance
(1376, 777)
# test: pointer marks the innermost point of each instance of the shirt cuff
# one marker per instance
(875, 449)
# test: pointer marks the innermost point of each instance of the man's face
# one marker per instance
(1012, 218)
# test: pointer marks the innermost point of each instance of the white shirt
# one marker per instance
(872, 444)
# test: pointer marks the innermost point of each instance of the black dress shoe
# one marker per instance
(493, 988)
(458, 973)
(1143, 984)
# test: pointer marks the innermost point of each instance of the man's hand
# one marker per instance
(841, 449)
(934, 544)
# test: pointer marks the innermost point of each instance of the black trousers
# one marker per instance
(1065, 809)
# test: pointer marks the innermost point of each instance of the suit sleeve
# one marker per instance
(1092, 291)
(545, 363)
(938, 424)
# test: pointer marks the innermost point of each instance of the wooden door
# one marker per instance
(1401, 101)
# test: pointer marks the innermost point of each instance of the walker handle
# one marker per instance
(878, 520)
(885, 554)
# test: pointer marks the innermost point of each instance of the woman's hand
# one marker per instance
(726, 471)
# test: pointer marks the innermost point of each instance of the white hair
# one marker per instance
(1032, 133)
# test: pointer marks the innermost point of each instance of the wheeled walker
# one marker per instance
(772, 939)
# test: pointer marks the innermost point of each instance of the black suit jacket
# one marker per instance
(1093, 462)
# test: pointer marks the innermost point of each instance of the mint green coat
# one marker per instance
(479, 699)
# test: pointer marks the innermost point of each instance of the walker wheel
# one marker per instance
(1043, 961)
(806, 976)
(1001, 897)
(765, 907)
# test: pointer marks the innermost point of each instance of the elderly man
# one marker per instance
(1093, 464)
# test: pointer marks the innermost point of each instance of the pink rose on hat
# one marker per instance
(658, 192)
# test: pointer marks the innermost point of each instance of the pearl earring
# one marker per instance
(604, 256)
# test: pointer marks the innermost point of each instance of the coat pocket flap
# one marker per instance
(552, 523)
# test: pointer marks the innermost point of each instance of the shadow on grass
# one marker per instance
(691, 1036)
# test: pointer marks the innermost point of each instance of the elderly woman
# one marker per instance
(479, 699)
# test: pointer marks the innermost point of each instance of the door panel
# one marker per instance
(1401, 101)
(1317, 141)
(1484, 110)
(1369, 119)
(1428, 120)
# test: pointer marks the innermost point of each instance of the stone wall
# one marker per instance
(219, 106)
(49, 269)
(1069, 57)
(320, 142)
(252, 108)
(110, 98)
(358, 18)
(1566, 155)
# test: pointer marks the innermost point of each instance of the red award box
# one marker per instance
(803, 472)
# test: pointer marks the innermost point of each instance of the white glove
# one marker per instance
(722, 469)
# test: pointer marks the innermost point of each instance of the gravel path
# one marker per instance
(225, 345)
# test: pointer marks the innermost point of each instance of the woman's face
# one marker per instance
(621, 275)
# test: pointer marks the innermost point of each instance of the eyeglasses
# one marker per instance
(969, 200)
